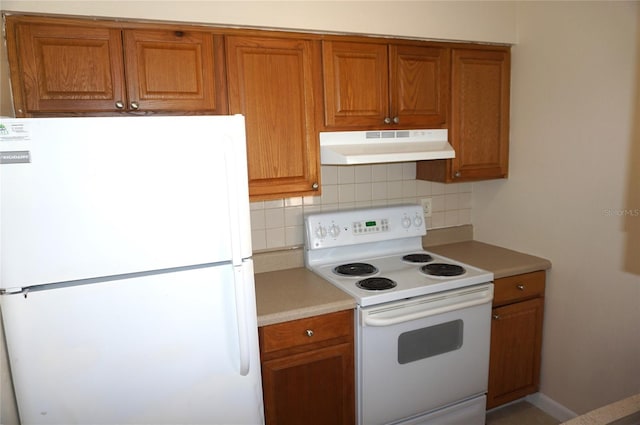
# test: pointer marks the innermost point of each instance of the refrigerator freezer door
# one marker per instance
(116, 195)
(160, 349)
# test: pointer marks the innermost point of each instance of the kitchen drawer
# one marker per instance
(518, 287)
(308, 331)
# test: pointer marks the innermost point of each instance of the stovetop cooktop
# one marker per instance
(409, 279)
(387, 243)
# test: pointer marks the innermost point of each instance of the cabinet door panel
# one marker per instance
(271, 82)
(419, 85)
(175, 70)
(480, 113)
(516, 339)
(70, 69)
(356, 84)
(311, 388)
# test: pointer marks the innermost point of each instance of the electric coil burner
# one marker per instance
(355, 269)
(443, 269)
(376, 284)
(417, 258)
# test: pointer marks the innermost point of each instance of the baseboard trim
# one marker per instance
(550, 407)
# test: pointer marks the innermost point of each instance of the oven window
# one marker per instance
(427, 342)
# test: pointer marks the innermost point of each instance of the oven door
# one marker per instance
(422, 354)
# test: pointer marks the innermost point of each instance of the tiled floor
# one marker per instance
(521, 413)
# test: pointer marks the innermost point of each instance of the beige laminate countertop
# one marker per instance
(623, 412)
(296, 293)
(501, 261)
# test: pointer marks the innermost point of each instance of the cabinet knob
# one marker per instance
(396, 120)
(309, 332)
(135, 105)
(457, 174)
(120, 104)
(315, 186)
(387, 120)
(496, 317)
(520, 287)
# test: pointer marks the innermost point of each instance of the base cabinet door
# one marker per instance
(516, 339)
(308, 388)
(308, 370)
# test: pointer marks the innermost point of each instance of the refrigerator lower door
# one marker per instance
(157, 349)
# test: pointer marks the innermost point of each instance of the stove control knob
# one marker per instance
(321, 232)
(406, 222)
(417, 221)
(334, 231)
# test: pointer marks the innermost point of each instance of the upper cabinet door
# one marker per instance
(62, 67)
(67, 68)
(419, 85)
(377, 86)
(479, 129)
(175, 70)
(356, 84)
(273, 82)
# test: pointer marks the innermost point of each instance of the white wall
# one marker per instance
(574, 90)
(492, 21)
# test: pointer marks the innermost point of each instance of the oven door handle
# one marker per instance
(441, 306)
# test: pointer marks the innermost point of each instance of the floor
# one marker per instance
(520, 413)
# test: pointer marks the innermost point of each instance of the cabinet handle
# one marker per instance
(309, 332)
(457, 174)
(396, 120)
(315, 186)
(520, 287)
(120, 104)
(496, 317)
(387, 120)
(135, 105)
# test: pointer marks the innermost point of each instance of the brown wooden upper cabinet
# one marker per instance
(374, 86)
(479, 125)
(60, 67)
(274, 82)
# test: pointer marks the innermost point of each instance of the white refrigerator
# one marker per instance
(127, 291)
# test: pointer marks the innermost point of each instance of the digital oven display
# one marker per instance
(370, 223)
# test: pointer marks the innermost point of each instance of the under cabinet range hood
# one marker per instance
(380, 146)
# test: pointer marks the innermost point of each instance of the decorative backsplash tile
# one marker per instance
(278, 224)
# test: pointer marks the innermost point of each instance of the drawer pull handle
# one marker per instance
(520, 287)
(309, 333)
(496, 317)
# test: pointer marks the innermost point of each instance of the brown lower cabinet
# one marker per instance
(516, 337)
(308, 370)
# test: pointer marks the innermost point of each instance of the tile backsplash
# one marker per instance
(278, 224)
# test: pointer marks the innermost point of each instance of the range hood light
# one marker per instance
(381, 146)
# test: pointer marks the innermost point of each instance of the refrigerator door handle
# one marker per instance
(240, 282)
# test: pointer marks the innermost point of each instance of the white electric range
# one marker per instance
(422, 320)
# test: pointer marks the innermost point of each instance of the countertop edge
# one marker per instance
(304, 312)
(609, 413)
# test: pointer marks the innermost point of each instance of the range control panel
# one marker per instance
(350, 227)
